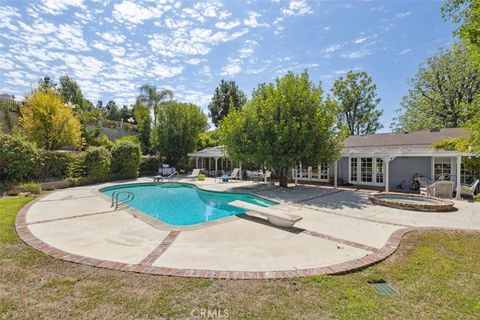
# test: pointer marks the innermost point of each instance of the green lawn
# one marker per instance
(437, 275)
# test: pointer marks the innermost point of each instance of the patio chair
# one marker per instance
(194, 174)
(235, 174)
(440, 189)
(469, 189)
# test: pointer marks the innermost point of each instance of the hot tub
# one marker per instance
(411, 202)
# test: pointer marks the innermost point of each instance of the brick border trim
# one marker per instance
(337, 269)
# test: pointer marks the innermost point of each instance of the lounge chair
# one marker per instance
(274, 216)
(469, 189)
(194, 174)
(235, 174)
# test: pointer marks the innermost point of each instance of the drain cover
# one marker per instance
(384, 288)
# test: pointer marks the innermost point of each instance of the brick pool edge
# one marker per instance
(379, 255)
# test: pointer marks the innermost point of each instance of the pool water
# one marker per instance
(184, 204)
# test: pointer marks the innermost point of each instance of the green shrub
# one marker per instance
(54, 164)
(134, 139)
(97, 162)
(13, 192)
(149, 164)
(201, 177)
(75, 165)
(126, 159)
(104, 141)
(19, 158)
(31, 187)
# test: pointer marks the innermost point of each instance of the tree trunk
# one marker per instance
(283, 177)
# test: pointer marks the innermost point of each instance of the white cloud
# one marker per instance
(112, 37)
(248, 50)
(360, 40)
(195, 61)
(404, 14)
(72, 37)
(356, 54)
(404, 51)
(227, 25)
(252, 22)
(297, 8)
(327, 28)
(57, 7)
(131, 13)
(118, 51)
(6, 15)
(175, 23)
(232, 68)
(332, 48)
(99, 46)
(163, 71)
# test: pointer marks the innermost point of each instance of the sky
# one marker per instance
(111, 48)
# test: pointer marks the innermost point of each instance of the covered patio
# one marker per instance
(213, 161)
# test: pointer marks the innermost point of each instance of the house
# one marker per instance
(383, 160)
(390, 160)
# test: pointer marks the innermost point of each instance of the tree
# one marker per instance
(179, 125)
(467, 14)
(143, 120)
(46, 120)
(46, 84)
(357, 101)
(286, 122)
(227, 96)
(442, 93)
(152, 97)
(207, 139)
(112, 112)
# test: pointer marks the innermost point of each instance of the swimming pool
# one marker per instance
(183, 204)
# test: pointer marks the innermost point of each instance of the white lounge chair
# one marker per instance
(440, 189)
(469, 189)
(274, 216)
(194, 174)
(235, 174)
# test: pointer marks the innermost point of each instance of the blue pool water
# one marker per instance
(184, 204)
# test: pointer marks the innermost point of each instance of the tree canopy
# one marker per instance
(46, 120)
(227, 97)
(286, 122)
(179, 125)
(442, 92)
(358, 101)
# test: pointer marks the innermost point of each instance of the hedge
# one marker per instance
(126, 159)
(20, 160)
(149, 164)
(97, 162)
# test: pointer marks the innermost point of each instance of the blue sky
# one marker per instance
(112, 47)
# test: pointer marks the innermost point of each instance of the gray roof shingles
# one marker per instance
(412, 139)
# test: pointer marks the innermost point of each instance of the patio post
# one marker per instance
(387, 174)
(335, 166)
(216, 165)
(459, 172)
(240, 169)
(196, 163)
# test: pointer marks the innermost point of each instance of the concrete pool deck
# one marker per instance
(340, 232)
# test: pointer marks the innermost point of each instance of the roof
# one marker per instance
(212, 152)
(423, 138)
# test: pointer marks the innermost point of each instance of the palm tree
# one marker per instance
(153, 98)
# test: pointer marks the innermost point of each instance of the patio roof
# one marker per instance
(211, 152)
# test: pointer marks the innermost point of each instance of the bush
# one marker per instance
(126, 159)
(75, 165)
(104, 141)
(13, 192)
(19, 158)
(31, 187)
(54, 164)
(97, 162)
(149, 164)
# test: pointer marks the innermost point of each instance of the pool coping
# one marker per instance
(21, 227)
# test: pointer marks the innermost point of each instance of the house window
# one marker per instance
(366, 169)
(442, 168)
(379, 170)
(323, 171)
(466, 176)
(353, 169)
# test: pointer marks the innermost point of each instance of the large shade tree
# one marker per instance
(178, 128)
(286, 122)
(357, 100)
(227, 96)
(442, 92)
(46, 120)
(152, 97)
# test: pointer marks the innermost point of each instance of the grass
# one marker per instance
(436, 274)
